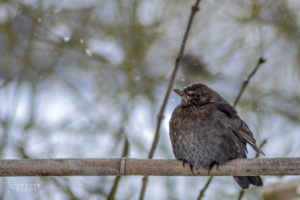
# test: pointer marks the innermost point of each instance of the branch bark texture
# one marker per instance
(155, 167)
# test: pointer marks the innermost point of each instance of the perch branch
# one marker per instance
(155, 167)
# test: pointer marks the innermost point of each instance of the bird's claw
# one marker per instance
(212, 165)
(185, 161)
(191, 167)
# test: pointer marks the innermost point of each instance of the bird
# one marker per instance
(205, 130)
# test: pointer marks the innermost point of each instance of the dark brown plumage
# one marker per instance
(206, 130)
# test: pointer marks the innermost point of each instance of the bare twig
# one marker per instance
(65, 188)
(114, 188)
(241, 194)
(171, 82)
(125, 151)
(262, 144)
(201, 194)
(260, 61)
(194, 10)
(155, 167)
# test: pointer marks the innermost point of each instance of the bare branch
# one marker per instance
(241, 194)
(194, 10)
(201, 194)
(172, 79)
(115, 186)
(260, 61)
(155, 167)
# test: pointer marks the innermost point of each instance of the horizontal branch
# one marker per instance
(157, 167)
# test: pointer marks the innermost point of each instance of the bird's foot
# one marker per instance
(185, 161)
(214, 163)
(191, 167)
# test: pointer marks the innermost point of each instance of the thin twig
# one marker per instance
(262, 144)
(201, 194)
(194, 10)
(64, 187)
(114, 188)
(260, 61)
(125, 151)
(241, 194)
(172, 79)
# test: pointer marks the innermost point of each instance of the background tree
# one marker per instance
(80, 78)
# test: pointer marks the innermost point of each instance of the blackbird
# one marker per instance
(205, 130)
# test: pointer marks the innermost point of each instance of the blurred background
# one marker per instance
(85, 79)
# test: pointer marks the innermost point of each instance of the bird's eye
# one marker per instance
(195, 95)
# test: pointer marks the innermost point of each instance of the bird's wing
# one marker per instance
(245, 134)
(238, 126)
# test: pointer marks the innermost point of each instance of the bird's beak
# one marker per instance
(185, 98)
(180, 93)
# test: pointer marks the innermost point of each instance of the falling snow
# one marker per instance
(88, 52)
(67, 39)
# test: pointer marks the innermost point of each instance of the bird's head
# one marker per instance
(197, 94)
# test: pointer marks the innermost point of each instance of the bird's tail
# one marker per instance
(245, 181)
